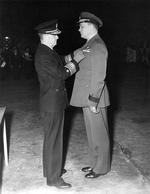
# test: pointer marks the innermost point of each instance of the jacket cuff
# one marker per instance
(76, 64)
(71, 67)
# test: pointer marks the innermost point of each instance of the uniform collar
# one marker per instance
(93, 38)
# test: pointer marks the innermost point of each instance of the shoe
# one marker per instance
(62, 185)
(87, 169)
(92, 175)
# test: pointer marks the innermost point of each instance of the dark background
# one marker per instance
(126, 23)
(124, 20)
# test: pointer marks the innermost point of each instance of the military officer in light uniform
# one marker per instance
(52, 73)
(90, 92)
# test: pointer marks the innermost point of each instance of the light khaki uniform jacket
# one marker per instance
(89, 85)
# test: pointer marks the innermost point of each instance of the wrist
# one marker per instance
(76, 64)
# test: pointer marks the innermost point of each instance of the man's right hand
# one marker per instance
(93, 109)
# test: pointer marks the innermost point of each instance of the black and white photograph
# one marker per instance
(74, 97)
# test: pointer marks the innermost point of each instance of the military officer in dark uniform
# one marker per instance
(90, 92)
(52, 73)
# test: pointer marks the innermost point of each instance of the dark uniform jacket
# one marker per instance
(89, 87)
(51, 75)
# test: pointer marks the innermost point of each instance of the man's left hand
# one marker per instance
(93, 109)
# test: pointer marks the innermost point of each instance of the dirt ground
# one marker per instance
(130, 173)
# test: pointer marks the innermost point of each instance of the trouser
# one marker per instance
(53, 146)
(98, 139)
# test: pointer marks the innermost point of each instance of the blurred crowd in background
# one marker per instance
(16, 60)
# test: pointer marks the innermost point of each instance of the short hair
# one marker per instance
(95, 26)
(40, 36)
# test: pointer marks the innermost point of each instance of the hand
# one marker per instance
(93, 109)
(68, 58)
(79, 56)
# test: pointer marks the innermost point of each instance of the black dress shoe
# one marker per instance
(92, 175)
(62, 185)
(87, 169)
